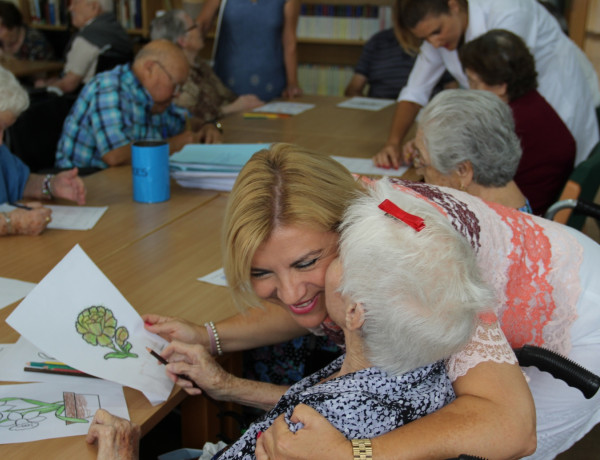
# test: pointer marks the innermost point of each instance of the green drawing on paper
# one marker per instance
(27, 413)
(98, 326)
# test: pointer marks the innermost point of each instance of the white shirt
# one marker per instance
(566, 77)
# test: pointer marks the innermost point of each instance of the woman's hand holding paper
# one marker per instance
(170, 329)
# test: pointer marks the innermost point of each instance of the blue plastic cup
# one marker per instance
(150, 168)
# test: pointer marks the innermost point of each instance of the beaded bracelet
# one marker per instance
(213, 337)
(46, 187)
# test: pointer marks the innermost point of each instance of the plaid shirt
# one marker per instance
(113, 110)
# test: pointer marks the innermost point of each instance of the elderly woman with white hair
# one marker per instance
(16, 181)
(404, 304)
(466, 140)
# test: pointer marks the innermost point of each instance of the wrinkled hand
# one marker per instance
(317, 439)
(196, 362)
(291, 92)
(68, 185)
(208, 134)
(388, 157)
(170, 328)
(117, 438)
(246, 102)
(34, 222)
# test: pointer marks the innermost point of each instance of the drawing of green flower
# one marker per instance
(97, 325)
(17, 418)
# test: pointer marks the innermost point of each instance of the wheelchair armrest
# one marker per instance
(560, 367)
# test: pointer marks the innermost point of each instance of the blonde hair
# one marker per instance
(280, 186)
(421, 291)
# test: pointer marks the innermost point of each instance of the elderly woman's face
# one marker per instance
(336, 302)
(7, 118)
(289, 270)
(422, 163)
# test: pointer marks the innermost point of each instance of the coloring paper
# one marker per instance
(34, 411)
(22, 352)
(13, 290)
(77, 315)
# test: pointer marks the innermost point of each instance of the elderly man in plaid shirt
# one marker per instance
(127, 104)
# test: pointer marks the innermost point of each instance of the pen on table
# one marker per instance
(164, 361)
(22, 206)
(259, 115)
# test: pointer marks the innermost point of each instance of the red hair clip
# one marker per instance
(409, 219)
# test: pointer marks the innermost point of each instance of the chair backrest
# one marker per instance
(106, 61)
(35, 134)
(583, 184)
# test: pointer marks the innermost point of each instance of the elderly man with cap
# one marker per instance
(130, 103)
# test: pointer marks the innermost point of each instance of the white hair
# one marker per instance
(13, 97)
(107, 6)
(472, 125)
(169, 26)
(421, 291)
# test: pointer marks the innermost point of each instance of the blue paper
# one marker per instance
(224, 155)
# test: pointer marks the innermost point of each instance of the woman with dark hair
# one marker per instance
(20, 41)
(499, 61)
(565, 76)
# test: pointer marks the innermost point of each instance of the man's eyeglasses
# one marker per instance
(176, 86)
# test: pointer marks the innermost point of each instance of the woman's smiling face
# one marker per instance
(289, 270)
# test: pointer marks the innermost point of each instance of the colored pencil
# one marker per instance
(164, 361)
(69, 372)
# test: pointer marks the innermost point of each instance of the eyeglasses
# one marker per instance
(176, 86)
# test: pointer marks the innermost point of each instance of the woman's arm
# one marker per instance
(493, 405)
(207, 15)
(356, 86)
(196, 363)
(390, 155)
(291, 11)
(255, 328)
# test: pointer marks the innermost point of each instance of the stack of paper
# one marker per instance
(211, 166)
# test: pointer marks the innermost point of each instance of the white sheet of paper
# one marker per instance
(73, 286)
(23, 421)
(217, 277)
(289, 108)
(12, 290)
(75, 217)
(366, 166)
(69, 217)
(20, 354)
(366, 103)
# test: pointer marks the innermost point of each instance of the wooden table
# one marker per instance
(21, 68)
(154, 253)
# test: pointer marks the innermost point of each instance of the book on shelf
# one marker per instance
(129, 13)
(323, 79)
(350, 22)
(48, 12)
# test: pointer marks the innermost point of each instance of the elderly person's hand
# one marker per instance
(171, 328)
(68, 185)
(29, 222)
(208, 134)
(117, 438)
(317, 439)
(390, 156)
(195, 362)
(244, 102)
(292, 91)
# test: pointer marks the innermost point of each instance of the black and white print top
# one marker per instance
(363, 404)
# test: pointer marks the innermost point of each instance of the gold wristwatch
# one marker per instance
(362, 449)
